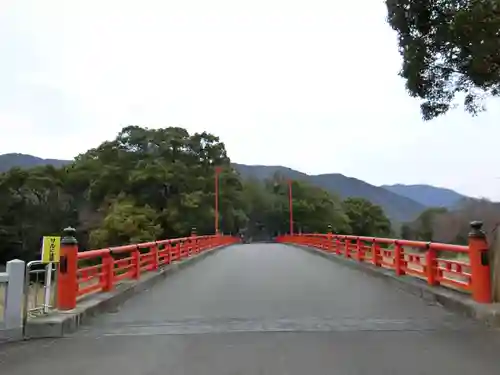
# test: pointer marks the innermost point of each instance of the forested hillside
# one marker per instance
(429, 196)
(151, 184)
(8, 161)
(398, 208)
(401, 203)
(452, 226)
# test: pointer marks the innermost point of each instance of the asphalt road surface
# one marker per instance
(267, 309)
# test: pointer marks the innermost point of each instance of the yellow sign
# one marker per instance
(51, 249)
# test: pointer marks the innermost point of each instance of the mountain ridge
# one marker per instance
(11, 160)
(428, 195)
(396, 207)
(399, 206)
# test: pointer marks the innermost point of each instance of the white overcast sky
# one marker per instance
(310, 84)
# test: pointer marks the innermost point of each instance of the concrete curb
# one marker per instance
(8, 335)
(60, 323)
(449, 299)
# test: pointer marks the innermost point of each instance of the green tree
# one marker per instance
(425, 223)
(125, 222)
(366, 218)
(406, 232)
(449, 48)
(148, 184)
(313, 208)
(33, 203)
(258, 208)
(167, 171)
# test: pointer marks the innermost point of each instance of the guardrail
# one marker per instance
(436, 263)
(83, 273)
(39, 291)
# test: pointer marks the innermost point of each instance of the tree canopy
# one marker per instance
(149, 184)
(313, 208)
(450, 49)
(453, 225)
(424, 227)
(366, 219)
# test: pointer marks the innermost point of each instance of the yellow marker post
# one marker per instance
(51, 249)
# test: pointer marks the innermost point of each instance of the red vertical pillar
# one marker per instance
(217, 173)
(329, 239)
(359, 250)
(155, 263)
(375, 253)
(398, 259)
(430, 260)
(194, 240)
(479, 262)
(108, 269)
(67, 282)
(136, 258)
(290, 205)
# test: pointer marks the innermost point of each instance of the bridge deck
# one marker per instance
(267, 309)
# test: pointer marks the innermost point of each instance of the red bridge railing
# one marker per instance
(463, 268)
(83, 273)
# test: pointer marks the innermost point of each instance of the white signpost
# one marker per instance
(51, 253)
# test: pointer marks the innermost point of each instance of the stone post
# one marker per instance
(14, 295)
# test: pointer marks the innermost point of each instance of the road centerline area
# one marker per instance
(268, 309)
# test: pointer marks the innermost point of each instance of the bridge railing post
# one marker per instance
(430, 265)
(359, 249)
(67, 282)
(479, 263)
(167, 253)
(182, 249)
(375, 253)
(196, 249)
(398, 259)
(337, 244)
(155, 257)
(329, 239)
(189, 247)
(108, 268)
(177, 251)
(136, 257)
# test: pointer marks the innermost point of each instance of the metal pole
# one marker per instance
(48, 288)
(290, 205)
(26, 306)
(217, 171)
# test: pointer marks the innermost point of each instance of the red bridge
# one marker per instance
(308, 304)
